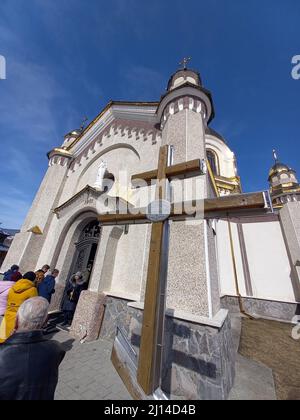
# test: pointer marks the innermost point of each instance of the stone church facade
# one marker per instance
(213, 266)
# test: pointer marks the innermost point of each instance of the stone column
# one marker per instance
(192, 280)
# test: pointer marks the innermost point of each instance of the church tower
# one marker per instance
(183, 114)
(284, 186)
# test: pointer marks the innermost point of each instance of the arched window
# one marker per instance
(213, 161)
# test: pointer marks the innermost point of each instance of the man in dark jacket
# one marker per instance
(47, 287)
(29, 363)
(73, 290)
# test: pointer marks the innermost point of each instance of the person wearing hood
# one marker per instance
(12, 271)
(22, 290)
(5, 287)
(74, 288)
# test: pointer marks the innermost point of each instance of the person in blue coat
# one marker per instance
(47, 287)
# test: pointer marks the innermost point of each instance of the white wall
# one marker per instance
(226, 272)
(132, 154)
(226, 157)
(129, 262)
(267, 258)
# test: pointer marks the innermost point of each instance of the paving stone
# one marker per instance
(87, 372)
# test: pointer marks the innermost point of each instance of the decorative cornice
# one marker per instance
(185, 102)
(189, 91)
(88, 197)
(232, 184)
(228, 185)
(85, 191)
(59, 156)
(285, 189)
(131, 130)
(59, 152)
(280, 199)
(107, 108)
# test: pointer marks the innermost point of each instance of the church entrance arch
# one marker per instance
(86, 250)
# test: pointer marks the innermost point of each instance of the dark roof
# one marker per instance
(3, 248)
(212, 132)
(9, 232)
(184, 72)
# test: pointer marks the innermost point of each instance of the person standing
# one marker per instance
(22, 290)
(8, 274)
(40, 276)
(47, 287)
(5, 287)
(46, 269)
(74, 288)
(29, 363)
(16, 276)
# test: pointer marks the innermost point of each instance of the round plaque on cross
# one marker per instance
(158, 211)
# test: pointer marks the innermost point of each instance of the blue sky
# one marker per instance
(68, 58)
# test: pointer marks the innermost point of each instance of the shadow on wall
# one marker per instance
(181, 348)
(295, 282)
(180, 352)
(110, 256)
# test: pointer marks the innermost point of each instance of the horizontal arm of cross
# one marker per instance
(207, 208)
(190, 168)
(215, 207)
(123, 219)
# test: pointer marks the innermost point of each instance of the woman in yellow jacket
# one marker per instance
(24, 289)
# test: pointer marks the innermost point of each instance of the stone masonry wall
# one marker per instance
(199, 361)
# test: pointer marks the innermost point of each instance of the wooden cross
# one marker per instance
(150, 355)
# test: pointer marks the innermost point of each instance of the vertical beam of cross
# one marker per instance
(152, 337)
(152, 329)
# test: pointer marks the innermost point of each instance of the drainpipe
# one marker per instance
(237, 288)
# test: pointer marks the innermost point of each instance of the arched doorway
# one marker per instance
(86, 250)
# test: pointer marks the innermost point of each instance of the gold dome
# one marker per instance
(278, 168)
(74, 133)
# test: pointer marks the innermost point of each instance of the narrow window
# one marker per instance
(213, 161)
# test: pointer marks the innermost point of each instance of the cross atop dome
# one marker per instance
(275, 155)
(184, 75)
(283, 182)
(185, 62)
(85, 119)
